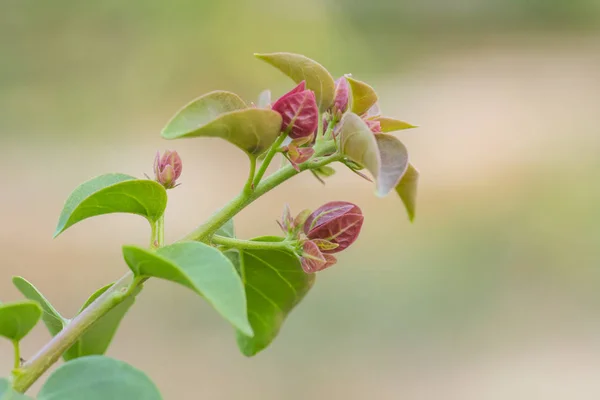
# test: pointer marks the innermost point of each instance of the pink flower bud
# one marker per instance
(296, 154)
(340, 102)
(374, 126)
(167, 168)
(338, 222)
(313, 259)
(299, 111)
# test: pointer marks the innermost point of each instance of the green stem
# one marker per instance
(265, 164)
(251, 244)
(17, 363)
(51, 352)
(250, 182)
(27, 374)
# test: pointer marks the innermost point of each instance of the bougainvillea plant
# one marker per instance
(253, 284)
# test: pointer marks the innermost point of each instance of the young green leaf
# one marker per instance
(7, 392)
(363, 96)
(275, 283)
(98, 378)
(113, 193)
(18, 318)
(199, 267)
(97, 339)
(384, 156)
(394, 162)
(227, 230)
(224, 115)
(391, 124)
(52, 318)
(300, 68)
(407, 190)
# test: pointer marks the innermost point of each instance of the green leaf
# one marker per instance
(98, 378)
(52, 318)
(97, 339)
(275, 283)
(113, 193)
(18, 318)
(363, 96)
(7, 392)
(227, 230)
(391, 124)
(394, 162)
(199, 267)
(407, 190)
(384, 156)
(301, 68)
(224, 115)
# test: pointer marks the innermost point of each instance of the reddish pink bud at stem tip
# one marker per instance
(299, 111)
(167, 169)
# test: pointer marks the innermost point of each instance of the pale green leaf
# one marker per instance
(52, 318)
(226, 116)
(407, 190)
(300, 68)
(392, 124)
(98, 378)
(7, 393)
(394, 162)
(199, 267)
(18, 318)
(113, 193)
(363, 96)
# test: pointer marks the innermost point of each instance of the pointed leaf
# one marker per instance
(363, 96)
(391, 124)
(52, 318)
(97, 339)
(113, 193)
(227, 230)
(17, 319)
(199, 267)
(300, 68)
(224, 115)
(98, 378)
(7, 392)
(275, 283)
(394, 162)
(407, 190)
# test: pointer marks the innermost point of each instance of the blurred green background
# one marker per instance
(491, 294)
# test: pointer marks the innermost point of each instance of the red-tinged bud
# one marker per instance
(374, 126)
(299, 111)
(296, 154)
(338, 222)
(313, 259)
(340, 102)
(167, 168)
(292, 226)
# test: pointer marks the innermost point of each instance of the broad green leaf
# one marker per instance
(363, 96)
(199, 267)
(300, 68)
(97, 339)
(275, 283)
(98, 378)
(394, 162)
(407, 190)
(391, 124)
(52, 318)
(224, 115)
(113, 193)
(384, 156)
(18, 318)
(7, 392)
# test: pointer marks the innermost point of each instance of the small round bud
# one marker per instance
(167, 168)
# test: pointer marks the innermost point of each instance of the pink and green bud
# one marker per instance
(290, 225)
(313, 259)
(299, 111)
(338, 222)
(167, 168)
(297, 154)
(340, 102)
(374, 126)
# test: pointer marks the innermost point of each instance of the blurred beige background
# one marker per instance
(491, 294)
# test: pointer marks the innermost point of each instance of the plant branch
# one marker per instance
(17, 348)
(27, 374)
(251, 244)
(250, 182)
(265, 164)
